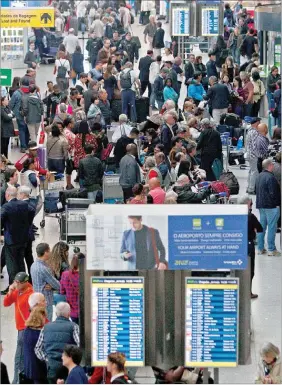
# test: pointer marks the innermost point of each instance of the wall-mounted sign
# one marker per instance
(118, 319)
(27, 18)
(210, 21)
(211, 322)
(180, 21)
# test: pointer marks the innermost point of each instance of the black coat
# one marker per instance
(159, 88)
(189, 71)
(211, 69)
(144, 68)
(7, 127)
(158, 39)
(15, 221)
(219, 96)
(210, 143)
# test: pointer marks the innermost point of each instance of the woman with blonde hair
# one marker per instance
(58, 261)
(269, 365)
(35, 371)
(116, 366)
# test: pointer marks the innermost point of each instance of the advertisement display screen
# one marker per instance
(211, 322)
(210, 21)
(146, 238)
(118, 319)
(181, 21)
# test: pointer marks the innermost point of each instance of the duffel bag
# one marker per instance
(236, 155)
(230, 180)
(73, 193)
(219, 187)
(51, 202)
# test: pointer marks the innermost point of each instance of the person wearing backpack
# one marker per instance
(128, 80)
(33, 111)
(62, 69)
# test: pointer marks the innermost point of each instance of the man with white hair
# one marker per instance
(36, 299)
(71, 42)
(53, 338)
(128, 83)
(184, 192)
(122, 129)
(268, 203)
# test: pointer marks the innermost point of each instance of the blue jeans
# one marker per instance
(57, 165)
(248, 109)
(49, 309)
(23, 133)
(268, 219)
(128, 104)
(19, 358)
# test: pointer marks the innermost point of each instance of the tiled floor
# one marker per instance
(266, 310)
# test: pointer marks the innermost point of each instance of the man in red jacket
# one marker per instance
(32, 154)
(18, 294)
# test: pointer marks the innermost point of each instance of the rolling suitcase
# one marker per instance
(42, 156)
(116, 109)
(142, 109)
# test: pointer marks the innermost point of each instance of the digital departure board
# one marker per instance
(118, 319)
(211, 322)
(181, 21)
(210, 21)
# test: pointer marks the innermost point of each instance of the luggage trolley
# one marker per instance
(51, 203)
(112, 191)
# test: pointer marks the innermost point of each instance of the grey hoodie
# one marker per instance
(33, 109)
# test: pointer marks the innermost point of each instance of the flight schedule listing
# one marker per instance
(210, 21)
(118, 319)
(211, 322)
(181, 21)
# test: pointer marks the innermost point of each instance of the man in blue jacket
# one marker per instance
(159, 87)
(268, 202)
(142, 246)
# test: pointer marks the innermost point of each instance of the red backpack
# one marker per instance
(219, 187)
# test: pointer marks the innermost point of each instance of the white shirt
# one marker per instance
(167, 58)
(154, 71)
(64, 63)
(59, 24)
(71, 42)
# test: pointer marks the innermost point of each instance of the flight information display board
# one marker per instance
(210, 21)
(180, 21)
(211, 322)
(118, 319)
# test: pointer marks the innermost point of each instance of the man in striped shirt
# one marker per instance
(43, 279)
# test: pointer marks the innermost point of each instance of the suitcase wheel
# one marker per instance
(42, 223)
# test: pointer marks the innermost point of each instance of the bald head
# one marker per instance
(11, 193)
(154, 183)
(131, 149)
(262, 129)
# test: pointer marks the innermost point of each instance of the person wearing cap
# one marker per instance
(144, 68)
(32, 153)
(15, 105)
(71, 41)
(257, 145)
(18, 294)
(159, 85)
(129, 48)
(268, 202)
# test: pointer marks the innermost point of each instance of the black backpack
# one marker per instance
(125, 80)
(231, 182)
(62, 70)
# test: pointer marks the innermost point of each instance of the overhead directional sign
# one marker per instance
(5, 77)
(27, 17)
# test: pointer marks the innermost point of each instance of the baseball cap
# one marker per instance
(21, 277)
(251, 120)
(32, 145)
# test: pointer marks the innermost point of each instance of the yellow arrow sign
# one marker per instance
(27, 17)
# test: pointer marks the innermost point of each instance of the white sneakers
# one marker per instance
(274, 253)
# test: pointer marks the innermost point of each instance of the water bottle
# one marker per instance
(240, 143)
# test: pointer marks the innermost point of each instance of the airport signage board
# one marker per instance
(175, 237)
(211, 322)
(118, 319)
(180, 21)
(27, 17)
(210, 20)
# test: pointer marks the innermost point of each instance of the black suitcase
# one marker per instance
(236, 157)
(116, 109)
(142, 109)
(74, 193)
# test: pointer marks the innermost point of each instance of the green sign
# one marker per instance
(5, 77)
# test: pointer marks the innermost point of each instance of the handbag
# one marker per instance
(155, 249)
(73, 74)
(41, 137)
